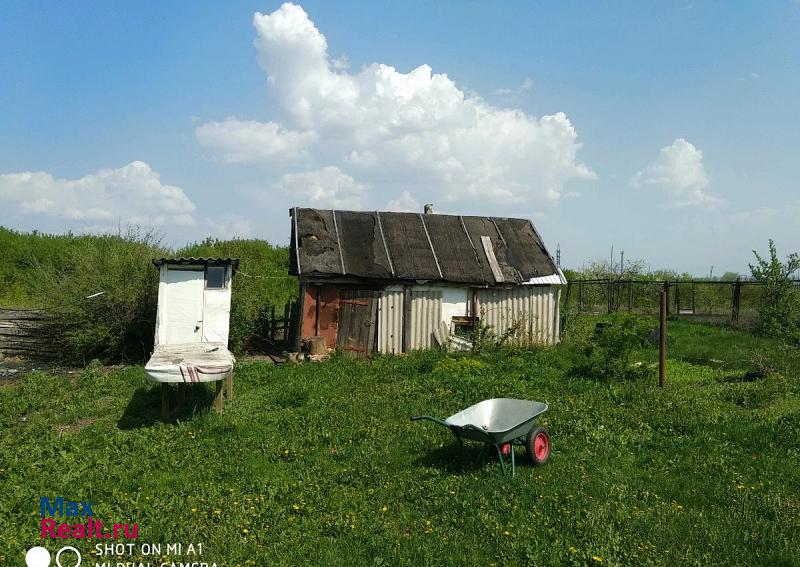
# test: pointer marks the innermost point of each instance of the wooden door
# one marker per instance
(357, 321)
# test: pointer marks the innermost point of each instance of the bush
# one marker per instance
(64, 274)
(779, 307)
(103, 297)
(608, 353)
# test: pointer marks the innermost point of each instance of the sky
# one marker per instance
(669, 130)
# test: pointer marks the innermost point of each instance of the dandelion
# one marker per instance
(245, 531)
(597, 558)
(572, 550)
(194, 510)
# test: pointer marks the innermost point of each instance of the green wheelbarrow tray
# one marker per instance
(501, 423)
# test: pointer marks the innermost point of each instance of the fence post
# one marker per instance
(286, 311)
(677, 298)
(610, 297)
(694, 297)
(666, 292)
(662, 339)
(737, 297)
(580, 297)
(630, 296)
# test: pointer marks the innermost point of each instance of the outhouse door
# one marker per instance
(184, 306)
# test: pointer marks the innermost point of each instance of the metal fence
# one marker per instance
(715, 301)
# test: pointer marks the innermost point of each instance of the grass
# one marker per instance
(319, 463)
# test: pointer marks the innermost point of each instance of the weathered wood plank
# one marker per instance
(22, 314)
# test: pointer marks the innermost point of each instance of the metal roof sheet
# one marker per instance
(233, 262)
(410, 246)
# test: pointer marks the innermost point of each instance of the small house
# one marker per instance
(194, 300)
(392, 282)
(192, 326)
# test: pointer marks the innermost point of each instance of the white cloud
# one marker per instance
(391, 130)
(513, 93)
(132, 194)
(247, 141)
(229, 226)
(326, 187)
(405, 203)
(679, 170)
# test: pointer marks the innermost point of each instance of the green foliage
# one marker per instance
(319, 464)
(23, 257)
(779, 308)
(609, 352)
(450, 366)
(103, 297)
(263, 281)
(61, 272)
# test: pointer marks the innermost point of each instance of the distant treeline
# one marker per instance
(637, 270)
(64, 274)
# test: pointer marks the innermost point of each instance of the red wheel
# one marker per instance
(537, 444)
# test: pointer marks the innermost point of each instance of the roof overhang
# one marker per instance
(204, 262)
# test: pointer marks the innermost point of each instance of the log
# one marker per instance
(17, 332)
(22, 314)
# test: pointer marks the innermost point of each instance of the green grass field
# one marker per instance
(319, 463)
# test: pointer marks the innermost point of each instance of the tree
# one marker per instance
(780, 307)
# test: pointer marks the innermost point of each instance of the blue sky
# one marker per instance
(668, 129)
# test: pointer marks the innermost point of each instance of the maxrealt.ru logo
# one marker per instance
(90, 528)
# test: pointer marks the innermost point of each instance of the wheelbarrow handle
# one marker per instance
(474, 428)
(429, 418)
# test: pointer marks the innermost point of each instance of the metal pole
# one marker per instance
(662, 340)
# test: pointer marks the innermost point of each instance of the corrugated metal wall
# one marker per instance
(426, 315)
(535, 309)
(390, 321)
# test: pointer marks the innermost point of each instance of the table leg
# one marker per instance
(218, 396)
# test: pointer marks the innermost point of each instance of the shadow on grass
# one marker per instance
(144, 409)
(454, 459)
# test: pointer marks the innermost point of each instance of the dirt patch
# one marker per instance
(75, 427)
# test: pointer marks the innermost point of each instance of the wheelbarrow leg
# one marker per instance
(513, 464)
(480, 456)
(502, 462)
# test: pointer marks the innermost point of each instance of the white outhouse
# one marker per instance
(192, 324)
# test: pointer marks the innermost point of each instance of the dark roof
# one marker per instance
(233, 262)
(411, 246)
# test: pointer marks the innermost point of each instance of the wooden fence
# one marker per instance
(23, 332)
(277, 324)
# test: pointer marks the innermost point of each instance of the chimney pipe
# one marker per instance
(429, 208)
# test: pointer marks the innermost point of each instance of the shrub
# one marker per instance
(779, 307)
(608, 353)
(103, 297)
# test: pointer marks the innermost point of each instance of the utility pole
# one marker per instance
(558, 255)
(621, 263)
(611, 265)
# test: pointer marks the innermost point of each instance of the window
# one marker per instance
(215, 277)
(463, 326)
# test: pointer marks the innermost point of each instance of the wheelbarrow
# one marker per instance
(501, 423)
